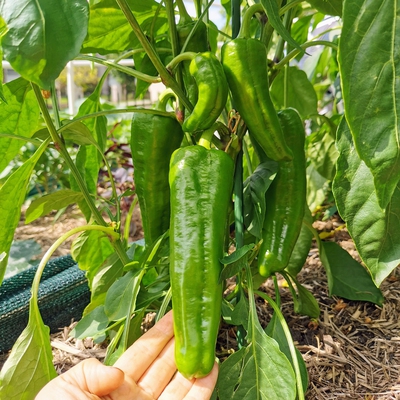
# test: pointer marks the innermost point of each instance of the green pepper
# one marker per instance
(246, 68)
(198, 42)
(286, 198)
(201, 190)
(210, 79)
(154, 138)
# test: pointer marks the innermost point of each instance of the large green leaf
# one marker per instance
(12, 196)
(329, 7)
(341, 269)
(369, 63)
(19, 116)
(259, 371)
(29, 366)
(43, 36)
(375, 231)
(300, 92)
(109, 31)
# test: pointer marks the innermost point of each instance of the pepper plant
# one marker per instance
(263, 119)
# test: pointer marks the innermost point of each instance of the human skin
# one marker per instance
(146, 371)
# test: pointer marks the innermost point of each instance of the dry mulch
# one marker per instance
(351, 352)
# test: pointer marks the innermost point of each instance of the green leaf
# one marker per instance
(91, 249)
(238, 314)
(109, 31)
(316, 188)
(100, 278)
(304, 302)
(29, 367)
(259, 371)
(303, 245)
(79, 134)
(254, 189)
(272, 11)
(329, 7)
(368, 59)
(346, 277)
(12, 196)
(54, 201)
(91, 325)
(121, 297)
(43, 36)
(274, 329)
(19, 116)
(300, 94)
(375, 232)
(235, 262)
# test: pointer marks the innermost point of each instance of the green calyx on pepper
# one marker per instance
(154, 137)
(201, 190)
(245, 63)
(212, 87)
(286, 199)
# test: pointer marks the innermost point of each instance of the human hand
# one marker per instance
(146, 371)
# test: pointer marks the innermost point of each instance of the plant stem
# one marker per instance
(304, 46)
(166, 78)
(129, 219)
(35, 284)
(116, 111)
(59, 145)
(129, 71)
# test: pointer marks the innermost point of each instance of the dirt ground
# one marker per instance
(351, 352)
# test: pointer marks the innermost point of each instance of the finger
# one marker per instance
(160, 373)
(178, 388)
(91, 376)
(203, 388)
(136, 360)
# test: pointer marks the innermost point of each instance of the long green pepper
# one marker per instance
(286, 199)
(153, 139)
(246, 68)
(201, 190)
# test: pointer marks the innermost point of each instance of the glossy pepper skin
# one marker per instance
(197, 43)
(246, 69)
(153, 139)
(201, 190)
(213, 89)
(286, 198)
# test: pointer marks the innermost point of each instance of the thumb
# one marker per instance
(97, 378)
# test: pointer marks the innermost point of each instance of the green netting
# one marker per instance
(63, 295)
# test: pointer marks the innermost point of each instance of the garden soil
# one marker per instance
(351, 352)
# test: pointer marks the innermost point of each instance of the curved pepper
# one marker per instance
(286, 198)
(246, 69)
(212, 87)
(153, 139)
(197, 43)
(201, 190)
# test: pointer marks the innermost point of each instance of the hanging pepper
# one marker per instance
(286, 199)
(201, 190)
(154, 137)
(198, 42)
(246, 68)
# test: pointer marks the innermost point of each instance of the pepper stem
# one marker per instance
(164, 98)
(248, 15)
(207, 136)
(186, 56)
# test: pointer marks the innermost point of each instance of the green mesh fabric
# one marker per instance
(63, 295)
